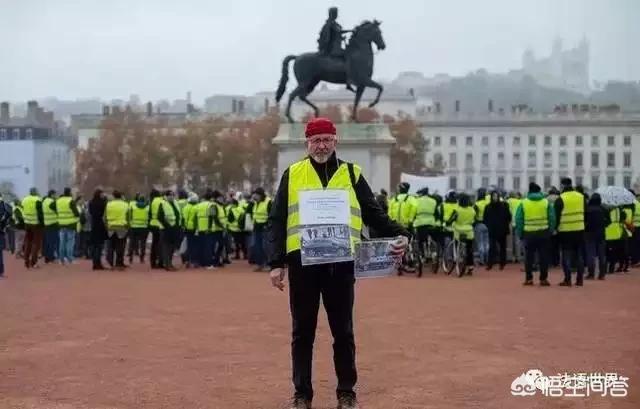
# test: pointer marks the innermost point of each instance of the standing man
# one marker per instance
(33, 225)
(335, 281)
(570, 210)
(259, 209)
(50, 227)
(514, 201)
(497, 219)
(156, 226)
(535, 220)
(68, 216)
(139, 228)
(480, 229)
(117, 221)
(5, 219)
(97, 207)
(635, 240)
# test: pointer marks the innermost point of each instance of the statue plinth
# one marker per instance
(368, 145)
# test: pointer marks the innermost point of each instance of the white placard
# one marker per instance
(329, 206)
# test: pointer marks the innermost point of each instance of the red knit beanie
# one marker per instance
(318, 126)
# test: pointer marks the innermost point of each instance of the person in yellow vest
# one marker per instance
(447, 207)
(203, 246)
(402, 208)
(426, 222)
(514, 201)
(235, 216)
(613, 235)
(335, 281)
(33, 222)
(259, 210)
(189, 225)
(157, 226)
(139, 228)
(462, 221)
(68, 216)
(635, 239)
(172, 229)
(51, 239)
(117, 221)
(480, 228)
(218, 227)
(570, 212)
(19, 228)
(627, 232)
(535, 220)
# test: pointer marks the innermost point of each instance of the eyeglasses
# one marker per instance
(324, 140)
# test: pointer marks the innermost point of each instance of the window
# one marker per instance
(548, 160)
(3, 134)
(469, 141)
(501, 140)
(485, 141)
(578, 140)
(626, 181)
(563, 162)
(436, 141)
(595, 141)
(547, 182)
(611, 180)
(29, 134)
(532, 140)
(611, 140)
(453, 160)
(579, 181)
(627, 140)
(516, 161)
(516, 141)
(611, 160)
(563, 140)
(468, 160)
(626, 159)
(579, 160)
(485, 181)
(594, 182)
(531, 159)
(485, 159)
(516, 183)
(595, 160)
(16, 134)
(453, 183)
(547, 140)
(501, 182)
(501, 159)
(453, 141)
(468, 183)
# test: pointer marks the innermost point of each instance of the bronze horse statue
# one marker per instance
(356, 69)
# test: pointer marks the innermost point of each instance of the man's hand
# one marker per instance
(399, 246)
(277, 278)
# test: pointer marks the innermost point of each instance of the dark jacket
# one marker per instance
(596, 221)
(97, 207)
(497, 218)
(276, 232)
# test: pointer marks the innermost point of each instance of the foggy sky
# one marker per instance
(164, 48)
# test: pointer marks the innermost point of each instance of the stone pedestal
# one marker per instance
(367, 145)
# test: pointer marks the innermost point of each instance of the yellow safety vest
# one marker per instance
(50, 217)
(627, 220)
(116, 213)
(514, 203)
(464, 222)
(188, 217)
(65, 214)
(403, 209)
(169, 215)
(636, 214)
(447, 212)
(614, 229)
(572, 216)
(221, 217)
(481, 205)
(155, 208)
(202, 216)
(30, 210)
(536, 215)
(260, 211)
(139, 216)
(425, 211)
(302, 176)
(238, 213)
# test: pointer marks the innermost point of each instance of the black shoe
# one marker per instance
(579, 283)
(347, 401)
(565, 284)
(528, 282)
(589, 277)
(600, 277)
(300, 403)
(544, 283)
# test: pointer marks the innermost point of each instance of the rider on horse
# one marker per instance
(331, 37)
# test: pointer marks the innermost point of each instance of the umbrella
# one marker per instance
(615, 196)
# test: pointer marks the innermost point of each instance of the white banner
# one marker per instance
(436, 184)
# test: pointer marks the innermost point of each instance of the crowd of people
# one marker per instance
(206, 231)
(567, 228)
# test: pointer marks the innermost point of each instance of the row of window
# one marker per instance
(532, 159)
(546, 182)
(16, 134)
(563, 140)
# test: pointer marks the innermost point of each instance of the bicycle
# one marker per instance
(414, 258)
(430, 257)
(455, 256)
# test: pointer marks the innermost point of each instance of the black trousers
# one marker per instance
(335, 283)
(97, 247)
(240, 243)
(115, 252)
(572, 254)
(137, 243)
(634, 248)
(496, 242)
(157, 247)
(615, 253)
(536, 245)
